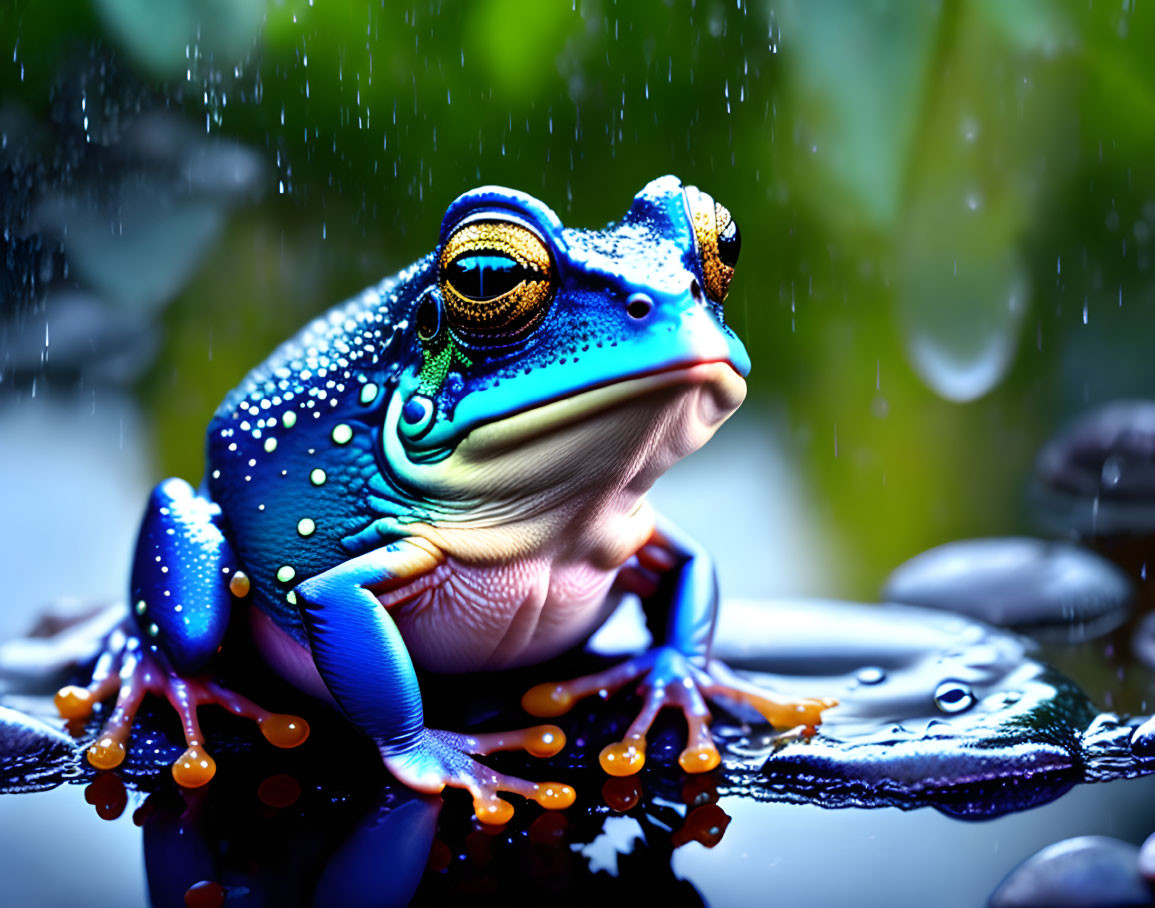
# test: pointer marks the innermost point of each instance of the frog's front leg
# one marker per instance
(184, 577)
(681, 608)
(364, 662)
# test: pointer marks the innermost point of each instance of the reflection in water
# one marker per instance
(935, 709)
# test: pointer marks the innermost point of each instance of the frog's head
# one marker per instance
(554, 351)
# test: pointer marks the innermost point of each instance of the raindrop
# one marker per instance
(961, 318)
(953, 697)
(1112, 471)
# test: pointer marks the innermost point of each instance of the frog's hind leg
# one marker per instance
(128, 669)
(669, 679)
(445, 758)
(75, 702)
(779, 711)
(671, 569)
(184, 579)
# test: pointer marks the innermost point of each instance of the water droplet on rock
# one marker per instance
(871, 674)
(953, 697)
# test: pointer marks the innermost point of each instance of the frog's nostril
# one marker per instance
(638, 306)
(696, 291)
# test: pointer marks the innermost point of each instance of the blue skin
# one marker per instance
(314, 507)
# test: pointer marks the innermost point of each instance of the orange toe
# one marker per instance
(544, 741)
(701, 758)
(547, 700)
(284, 730)
(624, 758)
(555, 796)
(493, 811)
(73, 702)
(194, 768)
(106, 753)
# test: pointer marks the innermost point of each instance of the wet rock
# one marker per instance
(1053, 591)
(1147, 858)
(1084, 872)
(1097, 477)
(1143, 740)
(1143, 640)
(933, 709)
(30, 752)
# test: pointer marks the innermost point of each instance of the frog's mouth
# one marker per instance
(721, 391)
(605, 440)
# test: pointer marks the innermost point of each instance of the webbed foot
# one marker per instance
(129, 670)
(670, 678)
(441, 758)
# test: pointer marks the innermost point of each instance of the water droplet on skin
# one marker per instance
(953, 697)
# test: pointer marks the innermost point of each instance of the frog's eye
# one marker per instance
(719, 241)
(496, 278)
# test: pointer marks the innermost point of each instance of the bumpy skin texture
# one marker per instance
(344, 369)
(450, 469)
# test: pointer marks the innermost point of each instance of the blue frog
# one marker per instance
(450, 471)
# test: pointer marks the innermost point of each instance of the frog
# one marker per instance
(450, 471)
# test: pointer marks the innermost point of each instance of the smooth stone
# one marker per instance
(1143, 640)
(1097, 476)
(1052, 590)
(1143, 740)
(1147, 858)
(1084, 872)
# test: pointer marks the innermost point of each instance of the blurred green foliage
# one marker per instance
(946, 207)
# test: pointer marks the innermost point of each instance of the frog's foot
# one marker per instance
(127, 668)
(669, 678)
(441, 758)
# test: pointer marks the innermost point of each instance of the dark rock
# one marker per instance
(1052, 590)
(1084, 872)
(1143, 740)
(1097, 477)
(1147, 858)
(1143, 640)
(31, 752)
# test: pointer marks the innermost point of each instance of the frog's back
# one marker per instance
(292, 450)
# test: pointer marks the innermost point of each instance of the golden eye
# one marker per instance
(719, 241)
(496, 277)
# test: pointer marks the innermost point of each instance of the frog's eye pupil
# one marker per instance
(497, 279)
(729, 244)
(485, 276)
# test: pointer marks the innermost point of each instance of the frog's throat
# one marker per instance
(612, 441)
